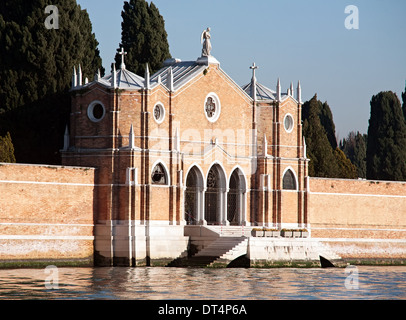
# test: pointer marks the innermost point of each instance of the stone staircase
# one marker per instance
(228, 244)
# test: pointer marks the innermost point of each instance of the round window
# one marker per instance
(96, 111)
(212, 107)
(159, 113)
(288, 123)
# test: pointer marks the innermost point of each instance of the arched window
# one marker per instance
(159, 175)
(289, 181)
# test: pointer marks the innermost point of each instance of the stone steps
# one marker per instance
(222, 248)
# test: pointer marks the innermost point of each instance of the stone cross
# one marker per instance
(254, 67)
(122, 53)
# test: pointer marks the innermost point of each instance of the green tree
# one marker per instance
(345, 168)
(386, 148)
(143, 37)
(355, 148)
(7, 149)
(326, 160)
(319, 151)
(36, 70)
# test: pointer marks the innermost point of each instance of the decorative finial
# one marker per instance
(278, 90)
(74, 78)
(299, 92)
(122, 53)
(66, 140)
(114, 76)
(131, 138)
(79, 81)
(147, 77)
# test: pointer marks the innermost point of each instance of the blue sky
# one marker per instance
(290, 39)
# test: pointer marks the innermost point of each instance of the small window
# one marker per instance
(96, 111)
(288, 123)
(159, 113)
(289, 181)
(159, 175)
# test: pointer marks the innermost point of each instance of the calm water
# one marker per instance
(203, 284)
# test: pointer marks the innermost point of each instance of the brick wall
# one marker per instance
(357, 209)
(46, 213)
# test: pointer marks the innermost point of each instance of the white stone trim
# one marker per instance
(218, 107)
(163, 112)
(290, 129)
(90, 111)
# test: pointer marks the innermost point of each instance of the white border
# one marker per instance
(218, 107)
(90, 111)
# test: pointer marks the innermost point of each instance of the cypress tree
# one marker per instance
(326, 160)
(143, 37)
(7, 149)
(355, 148)
(36, 70)
(319, 151)
(386, 148)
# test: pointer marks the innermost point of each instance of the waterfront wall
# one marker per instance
(46, 214)
(359, 219)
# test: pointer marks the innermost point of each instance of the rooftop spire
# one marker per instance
(74, 78)
(114, 77)
(79, 81)
(278, 90)
(254, 67)
(147, 77)
(299, 92)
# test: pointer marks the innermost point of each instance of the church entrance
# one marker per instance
(236, 198)
(215, 197)
(194, 197)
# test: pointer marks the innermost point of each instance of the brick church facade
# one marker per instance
(185, 163)
(187, 146)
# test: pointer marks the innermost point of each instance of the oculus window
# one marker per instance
(212, 107)
(96, 111)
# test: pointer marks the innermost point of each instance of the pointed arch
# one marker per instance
(236, 197)
(216, 195)
(160, 174)
(194, 196)
(289, 181)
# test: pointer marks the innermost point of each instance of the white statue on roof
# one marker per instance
(205, 40)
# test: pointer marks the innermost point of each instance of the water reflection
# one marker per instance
(203, 284)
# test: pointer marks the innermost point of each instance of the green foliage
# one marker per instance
(7, 149)
(36, 70)
(143, 37)
(318, 128)
(355, 148)
(386, 148)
